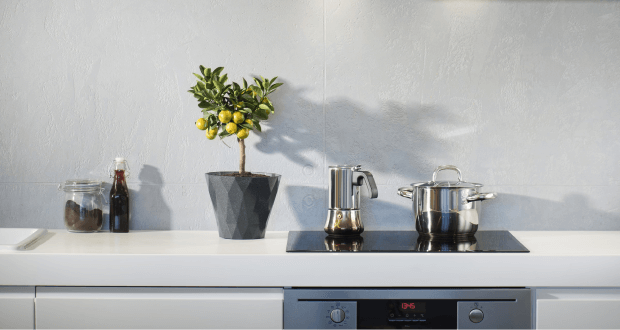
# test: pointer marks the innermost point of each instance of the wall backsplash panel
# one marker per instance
(523, 96)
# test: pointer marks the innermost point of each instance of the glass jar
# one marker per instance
(83, 205)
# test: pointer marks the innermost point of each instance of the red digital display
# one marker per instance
(412, 306)
(407, 306)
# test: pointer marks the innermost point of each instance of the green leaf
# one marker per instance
(212, 120)
(208, 73)
(245, 84)
(218, 85)
(201, 69)
(245, 110)
(199, 77)
(261, 114)
(217, 71)
(257, 125)
(244, 125)
(204, 104)
(236, 86)
(224, 133)
(248, 98)
(257, 90)
(273, 88)
(224, 78)
(259, 83)
(201, 85)
(272, 80)
(264, 107)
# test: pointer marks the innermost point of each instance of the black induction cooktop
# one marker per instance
(402, 241)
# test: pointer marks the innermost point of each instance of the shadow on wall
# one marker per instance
(519, 212)
(391, 140)
(395, 142)
(155, 213)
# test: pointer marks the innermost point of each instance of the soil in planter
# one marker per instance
(246, 175)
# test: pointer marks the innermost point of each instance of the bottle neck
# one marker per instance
(119, 175)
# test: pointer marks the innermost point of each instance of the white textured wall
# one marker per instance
(523, 96)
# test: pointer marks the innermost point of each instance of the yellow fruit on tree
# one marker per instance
(231, 128)
(243, 133)
(238, 117)
(212, 133)
(225, 116)
(249, 122)
(201, 123)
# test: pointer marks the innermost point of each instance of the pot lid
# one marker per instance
(447, 184)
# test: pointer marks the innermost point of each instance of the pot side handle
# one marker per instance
(406, 192)
(481, 197)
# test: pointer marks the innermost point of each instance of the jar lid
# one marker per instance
(82, 185)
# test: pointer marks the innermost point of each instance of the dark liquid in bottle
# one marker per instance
(119, 204)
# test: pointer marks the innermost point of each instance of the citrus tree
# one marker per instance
(232, 109)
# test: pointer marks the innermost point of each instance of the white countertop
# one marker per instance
(201, 258)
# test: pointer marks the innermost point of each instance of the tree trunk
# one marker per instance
(241, 156)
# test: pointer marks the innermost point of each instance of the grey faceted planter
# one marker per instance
(242, 204)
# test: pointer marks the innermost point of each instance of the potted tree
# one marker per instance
(242, 200)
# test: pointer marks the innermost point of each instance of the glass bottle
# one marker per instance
(119, 197)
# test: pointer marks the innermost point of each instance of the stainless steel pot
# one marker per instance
(446, 208)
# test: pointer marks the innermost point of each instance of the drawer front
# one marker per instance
(16, 307)
(578, 309)
(158, 308)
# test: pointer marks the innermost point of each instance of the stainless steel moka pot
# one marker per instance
(343, 216)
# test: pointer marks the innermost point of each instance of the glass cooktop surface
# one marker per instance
(402, 241)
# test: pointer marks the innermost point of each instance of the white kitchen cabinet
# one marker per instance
(16, 307)
(596, 308)
(158, 308)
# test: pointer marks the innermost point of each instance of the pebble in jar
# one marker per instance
(119, 197)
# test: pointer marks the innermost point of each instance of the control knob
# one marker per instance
(476, 315)
(337, 315)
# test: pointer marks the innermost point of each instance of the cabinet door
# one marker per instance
(158, 308)
(16, 307)
(577, 308)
